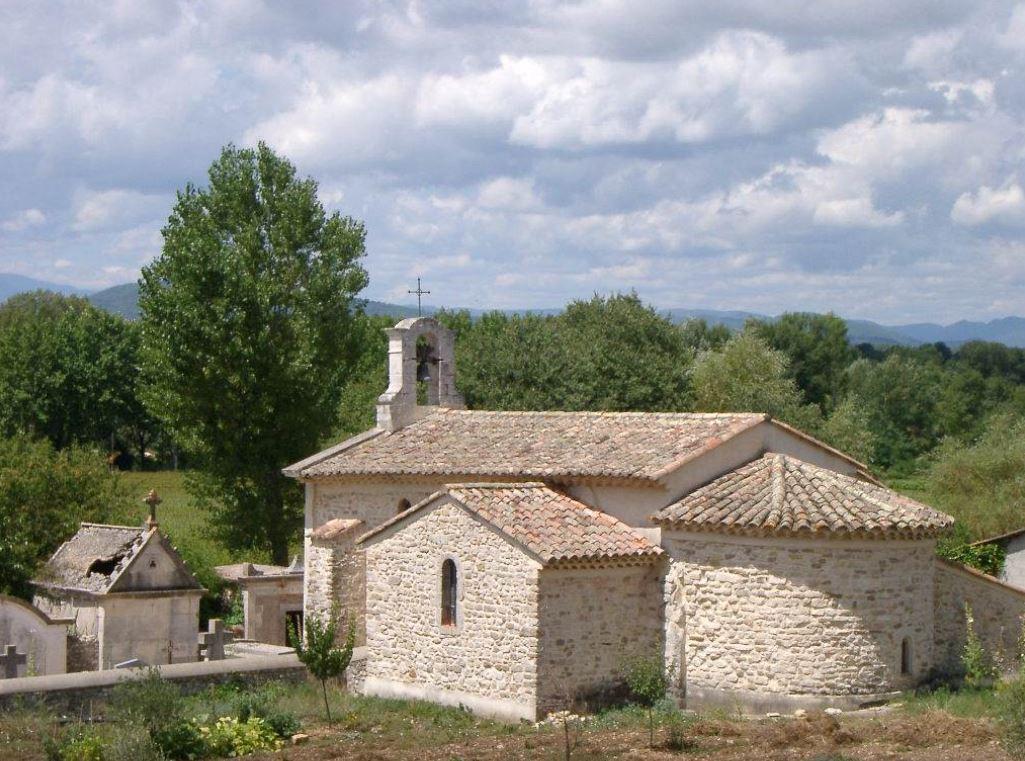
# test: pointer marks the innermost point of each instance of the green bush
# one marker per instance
(261, 704)
(180, 740)
(979, 670)
(231, 737)
(648, 682)
(75, 744)
(132, 745)
(1011, 716)
(151, 702)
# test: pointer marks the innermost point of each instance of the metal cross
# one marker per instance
(419, 292)
(214, 639)
(10, 661)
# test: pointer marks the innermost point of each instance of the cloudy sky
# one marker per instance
(866, 157)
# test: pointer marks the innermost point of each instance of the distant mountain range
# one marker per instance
(124, 300)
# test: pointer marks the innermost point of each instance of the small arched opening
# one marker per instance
(403, 505)
(906, 664)
(449, 593)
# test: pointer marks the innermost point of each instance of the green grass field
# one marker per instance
(188, 526)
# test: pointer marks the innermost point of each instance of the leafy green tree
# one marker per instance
(248, 336)
(849, 429)
(603, 354)
(818, 351)
(982, 484)
(700, 336)
(317, 650)
(66, 369)
(749, 376)
(900, 395)
(367, 379)
(44, 495)
(648, 681)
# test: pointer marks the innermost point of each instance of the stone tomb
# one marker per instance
(39, 642)
(130, 594)
(272, 599)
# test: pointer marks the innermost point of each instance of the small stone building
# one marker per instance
(272, 599)
(512, 562)
(1013, 544)
(43, 641)
(129, 593)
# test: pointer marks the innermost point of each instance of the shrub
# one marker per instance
(180, 740)
(231, 737)
(129, 745)
(648, 681)
(1011, 716)
(283, 723)
(75, 744)
(979, 670)
(151, 702)
(260, 704)
(677, 739)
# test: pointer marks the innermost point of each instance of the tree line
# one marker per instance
(252, 352)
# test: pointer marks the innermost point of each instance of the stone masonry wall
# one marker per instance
(591, 623)
(372, 503)
(491, 653)
(797, 617)
(335, 579)
(335, 572)
(997, 610)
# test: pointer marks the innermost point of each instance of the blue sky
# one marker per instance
(862, 157)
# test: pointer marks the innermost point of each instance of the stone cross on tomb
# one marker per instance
(152, 499)
(10, 660)
(419, 292)
(214, 639)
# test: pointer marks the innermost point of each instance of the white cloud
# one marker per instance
(1003, 204)
(854, 212)
(112, 209)
(23, 220)
(63, 264)
(508, 193)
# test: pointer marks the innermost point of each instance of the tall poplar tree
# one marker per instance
(247, 321)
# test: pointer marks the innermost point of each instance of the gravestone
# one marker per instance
(214, 639)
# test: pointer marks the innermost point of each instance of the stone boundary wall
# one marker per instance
(997, 609)
(72, 691)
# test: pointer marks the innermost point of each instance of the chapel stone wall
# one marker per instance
(488, 660)
(998, 615)
(762, 617)
(592, 622)
(335, 568)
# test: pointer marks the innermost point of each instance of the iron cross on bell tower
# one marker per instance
(419, 293)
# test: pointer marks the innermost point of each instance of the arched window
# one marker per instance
(905, 656)
(449, 592)
(403, 506)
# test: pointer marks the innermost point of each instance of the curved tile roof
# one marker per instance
(554, 527)
(781, 494)
(544, 445)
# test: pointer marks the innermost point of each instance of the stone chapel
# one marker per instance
(512, 562)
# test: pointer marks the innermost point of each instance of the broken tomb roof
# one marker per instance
(554, 527)
(96, 556)
(545, 445)
(779, 494)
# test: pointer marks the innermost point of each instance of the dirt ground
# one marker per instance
(928, 736)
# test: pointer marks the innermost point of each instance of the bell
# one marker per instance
(423, 370)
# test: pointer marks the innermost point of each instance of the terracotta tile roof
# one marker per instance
(546, 445)
(554, 527)
(335, 528)
(780, 494)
